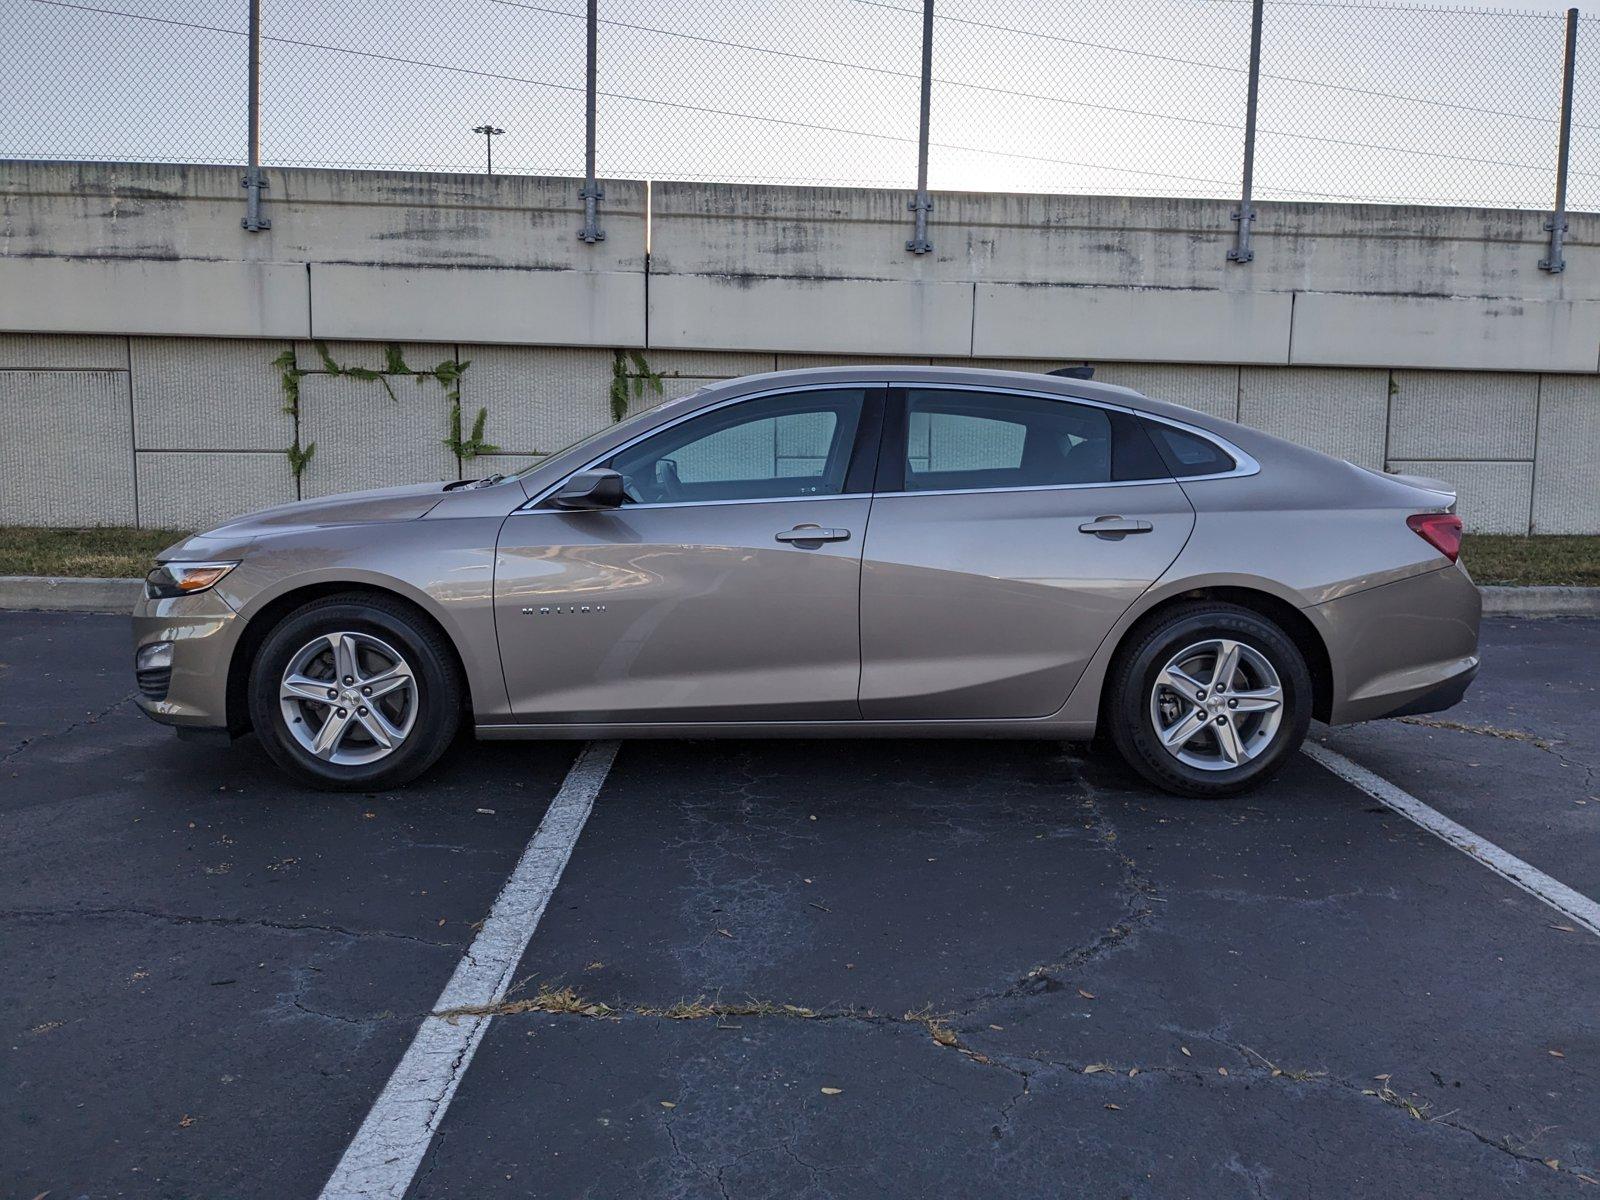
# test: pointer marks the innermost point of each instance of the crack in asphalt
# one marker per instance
(1136, 890)
(92, 719)
(1256, 1068)
(1551, 746)
(47, 914)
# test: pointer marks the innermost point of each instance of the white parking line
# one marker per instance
(1576, 907)
(389, 1146)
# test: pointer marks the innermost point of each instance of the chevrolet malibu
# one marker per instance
(859, 552)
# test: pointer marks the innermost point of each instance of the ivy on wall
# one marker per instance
(289, 375)
(631, 376)
(622, 381)
(447, 374)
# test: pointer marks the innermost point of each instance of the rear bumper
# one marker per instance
(1442, 695)
(1406, 647)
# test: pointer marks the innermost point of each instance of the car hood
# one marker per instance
(405, 503)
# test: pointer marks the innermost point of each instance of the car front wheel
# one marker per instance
(354, 693)
(1209, 700)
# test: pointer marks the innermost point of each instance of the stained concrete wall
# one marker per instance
(139, 324)
(184, 432)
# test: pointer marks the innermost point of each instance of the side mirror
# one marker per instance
(598, 488)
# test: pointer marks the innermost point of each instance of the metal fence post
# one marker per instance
(255, 180)
(1246, 215)
(1557, 224)
(920, 204)
(591, 191)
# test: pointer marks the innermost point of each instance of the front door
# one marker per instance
(1011, 533)
(727, 588)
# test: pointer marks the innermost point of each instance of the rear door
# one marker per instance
(1008, 534)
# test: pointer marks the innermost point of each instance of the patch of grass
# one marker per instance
(113, 553)
(1499, 558)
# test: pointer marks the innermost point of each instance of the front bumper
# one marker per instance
(203, 630)
(1403, 648)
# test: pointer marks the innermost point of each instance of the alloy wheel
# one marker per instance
(348, 698)
(1216, 704)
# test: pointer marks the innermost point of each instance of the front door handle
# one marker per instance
(1114, 528)
(812, 533)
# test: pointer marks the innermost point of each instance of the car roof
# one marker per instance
(1085, 389)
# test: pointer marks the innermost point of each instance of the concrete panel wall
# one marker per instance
(1462, 415)
(191, 489)
(157, 249)
(1154, 324)
(1342, 413)
(1492, 497)
(110, 295)
(849, 316)
(186, 432)
(29, 351)
(208, 394)
(1460, 333)
(66, 448)
(1422, 337)
(365, 440)
(1566, 473)
(500, 305)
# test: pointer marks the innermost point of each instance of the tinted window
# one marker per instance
(960, 440)
(796, 444)
(1188, 454)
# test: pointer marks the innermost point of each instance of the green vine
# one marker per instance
(474, 443)
(447, 374)
(625, 385)
(298, 457)
(289, 376)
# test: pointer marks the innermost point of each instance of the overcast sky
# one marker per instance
(1358, 102)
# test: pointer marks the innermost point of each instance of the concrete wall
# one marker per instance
(183, 432)
(139, 324)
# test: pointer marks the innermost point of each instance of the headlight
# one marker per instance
(183, 579)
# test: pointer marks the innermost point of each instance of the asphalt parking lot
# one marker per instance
(804, 969)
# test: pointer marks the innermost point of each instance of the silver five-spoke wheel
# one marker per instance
(1216, 704)
(348, 698)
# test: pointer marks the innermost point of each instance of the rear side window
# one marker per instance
(1187, 454)
(961, 440)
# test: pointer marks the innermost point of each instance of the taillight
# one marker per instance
(1442, 531)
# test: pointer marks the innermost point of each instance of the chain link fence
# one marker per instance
(1357, 102)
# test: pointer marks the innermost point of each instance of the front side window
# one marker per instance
(960, 440)
(777, 447)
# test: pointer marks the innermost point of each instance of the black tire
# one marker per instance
(1133, 679)
(437, 696)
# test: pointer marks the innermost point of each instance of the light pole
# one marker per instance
(489, 132)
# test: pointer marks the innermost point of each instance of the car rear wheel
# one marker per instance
(1209, 700)
(354, 693)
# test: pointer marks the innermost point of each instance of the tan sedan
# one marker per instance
(887, 552)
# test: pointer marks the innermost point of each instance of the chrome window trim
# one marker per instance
(793, 389)
(1034, 487)
(1246, 465)
(632, 508)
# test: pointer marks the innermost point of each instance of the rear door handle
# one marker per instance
(1114, 528)
(812, 533)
